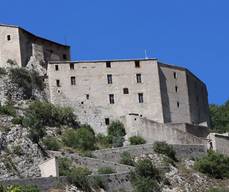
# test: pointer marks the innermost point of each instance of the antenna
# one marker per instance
(146, 57)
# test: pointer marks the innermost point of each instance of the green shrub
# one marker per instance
(17, 150)
(65, 166)
(78, 177)
(164, 148)
(127, 159)
(218, 190)
(28, 81)
(142, 184)
(22, 188)
(8, 110)
(52, 143)
(17, 120)
(116, 129)
(103, 141)
(136, 140)
(106, 170)
(214, 165)
(51, 115)
(81, 138)
(2, 71)
(145, 168)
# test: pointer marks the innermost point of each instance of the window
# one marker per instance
(140, 97)
(178, 104)
(176, 88)
(56, 67)
(139, 78)
(71, 66)
(125, 91)
(107, 121)
(137, 64)
(64, 56)
(111, 98)
(175, 75)
(73, 80)
(108, 64)
(87, 96)
(58, 83)
(109, 79)
(8, 37)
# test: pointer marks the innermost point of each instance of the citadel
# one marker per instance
(154, 100)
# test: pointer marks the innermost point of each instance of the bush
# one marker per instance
(52, 143)
(17, 120)
(218, 190)
(51, 115)
(116, 131)
(106, 170)
(65, 166)
(8, 110)
(136, 140)
(214, 165)
(22, 188)
(81, 138)
(18, 150)
(145, 177)
(164, 148)
(127, 159)
(2, 71)
(28, 81)
(103, 141)
(142, 184)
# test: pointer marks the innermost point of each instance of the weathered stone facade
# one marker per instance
(155, 91)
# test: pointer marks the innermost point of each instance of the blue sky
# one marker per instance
(189, 33)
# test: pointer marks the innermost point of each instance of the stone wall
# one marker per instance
(152, 131)
(182, 151)
(219, 142)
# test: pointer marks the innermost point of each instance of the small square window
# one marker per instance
(176, 89)
(139, 78)
(57, 82)
(178, 104)
(57, 67)
(109, 79)
(71, 66)
(108, 64)
(140, 98)
(87, 96)
(8, 37)
(107, 121)
(73, 80)
(64, 56)
(137, 64)
(175, 75)
(125, 91)
(111, 98)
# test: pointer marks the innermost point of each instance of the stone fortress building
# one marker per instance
(154, 100)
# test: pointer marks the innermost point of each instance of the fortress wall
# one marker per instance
(182, 151)
(91, 79)
(174, 92)
(198, 99)
(9, 49)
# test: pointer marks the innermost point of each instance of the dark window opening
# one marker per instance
(176, 88)
(111, 98)
(140, 98)
(82, 102)
(8, 37)
(178, 104)
(139, 78)
(58, 83)
(87, 96)
(109, 79)
(64, 56)
(71, 66)
(125, 91)
(107, 121)
(58, 91)
(175, 75)
(137, 64)
(73, 80)
(108, 64)
(56, 67)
